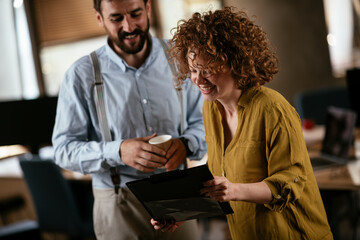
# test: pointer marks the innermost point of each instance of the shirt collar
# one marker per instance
(156, 47)
(114, 57)
(247, 96)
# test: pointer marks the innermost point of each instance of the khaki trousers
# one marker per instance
(122, 216)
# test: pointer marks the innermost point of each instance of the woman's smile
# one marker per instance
(206, 89)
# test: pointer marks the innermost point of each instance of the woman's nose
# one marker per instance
(199, 79)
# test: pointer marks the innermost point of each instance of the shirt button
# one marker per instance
(150, 129)
(278, 196)
(144, 101)
(296, 180)
(137, 74)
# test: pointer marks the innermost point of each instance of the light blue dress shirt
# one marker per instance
(139, 102)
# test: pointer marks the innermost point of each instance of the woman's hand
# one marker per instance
(222, 190)
(219, 189)
(167, 226)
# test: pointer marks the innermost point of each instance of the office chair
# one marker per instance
(55, 204)
(312, 104)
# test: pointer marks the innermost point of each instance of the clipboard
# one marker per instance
(175, 195)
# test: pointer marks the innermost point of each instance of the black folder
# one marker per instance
(175, 195)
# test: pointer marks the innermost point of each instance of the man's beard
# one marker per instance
(137, 46)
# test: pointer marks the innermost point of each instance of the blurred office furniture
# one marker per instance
(340, 195)
(8, 205)
(57, 209)
(312, 104)
(27, 229)
(339, 187)
(342, 210)
(353, 87)
(28, 122)
(17, 216)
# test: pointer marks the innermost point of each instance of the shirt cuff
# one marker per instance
(112, 153)
(284, 192)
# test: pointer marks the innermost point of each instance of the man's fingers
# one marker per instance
(149, 163)
(148, 156)
(153, 149)
(143, 168)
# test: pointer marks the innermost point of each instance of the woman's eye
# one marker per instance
(206, 73)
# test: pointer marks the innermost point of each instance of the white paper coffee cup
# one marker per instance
(162, 141)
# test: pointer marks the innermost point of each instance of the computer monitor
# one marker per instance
(339, 132)
(27, 122)
(353, 86)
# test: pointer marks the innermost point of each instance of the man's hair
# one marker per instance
(97, 5)
(225, 38)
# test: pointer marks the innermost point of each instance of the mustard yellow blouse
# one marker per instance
(268, 146)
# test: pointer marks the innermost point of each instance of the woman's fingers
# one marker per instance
(164, 226)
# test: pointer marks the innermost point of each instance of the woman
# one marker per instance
(256, 149)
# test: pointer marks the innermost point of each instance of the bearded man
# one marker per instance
(140, 102)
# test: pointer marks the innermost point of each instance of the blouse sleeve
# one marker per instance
(287, 157)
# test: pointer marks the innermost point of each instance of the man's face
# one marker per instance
(127, 23)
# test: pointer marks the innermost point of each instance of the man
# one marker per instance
(140, 102)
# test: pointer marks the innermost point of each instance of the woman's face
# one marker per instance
(220, 86)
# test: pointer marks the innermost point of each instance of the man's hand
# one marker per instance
(138, 153)
(176, 155)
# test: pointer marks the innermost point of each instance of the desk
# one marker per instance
(335, 178)
(342, 177)
(12, 150)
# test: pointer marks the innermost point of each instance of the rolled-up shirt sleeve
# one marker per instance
(286, 154)
(285, 187)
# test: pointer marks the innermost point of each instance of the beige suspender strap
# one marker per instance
(100, 103)
(177, 85)
(101, 113)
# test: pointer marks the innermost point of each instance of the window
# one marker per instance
(17, 71)
(55, 60)
(50, 35)
(342, 20)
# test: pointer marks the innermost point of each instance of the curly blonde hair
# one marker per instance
(225, 38)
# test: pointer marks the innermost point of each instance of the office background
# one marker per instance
(62, 31)
(41, 38)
